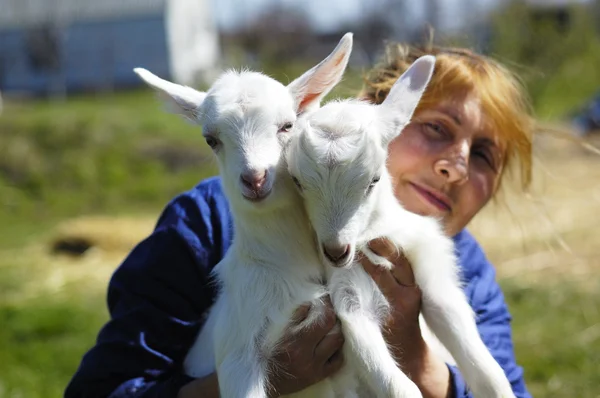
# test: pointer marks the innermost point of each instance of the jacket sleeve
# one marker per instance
(493, 322)
(157, 299)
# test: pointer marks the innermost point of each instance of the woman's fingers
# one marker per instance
(328, 350)
(310, 349)
(300, 314)
(398, 284)
(329, 345)
(384, 248)
(382, 277)
(334, 363)
(326, 335)
(402, 270)
(320, 325)
(323, 333)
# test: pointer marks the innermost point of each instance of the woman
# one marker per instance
(471, 127)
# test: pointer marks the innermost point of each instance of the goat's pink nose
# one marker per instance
(254, 180)
(336, 253)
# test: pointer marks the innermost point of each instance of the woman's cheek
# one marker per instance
(408, 149)
(474, 196)
(484, 184)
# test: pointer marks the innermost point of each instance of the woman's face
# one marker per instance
(447, 162)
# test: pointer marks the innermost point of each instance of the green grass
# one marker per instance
(120, 154)
(104, 154)
(557, 338)
(42, 340)
(108, 154)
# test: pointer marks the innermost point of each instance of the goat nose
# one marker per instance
(254, 180)
(336, 253)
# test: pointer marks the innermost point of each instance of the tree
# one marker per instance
(555, 49)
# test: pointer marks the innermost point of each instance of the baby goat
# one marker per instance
(272, 266)
(338, 162)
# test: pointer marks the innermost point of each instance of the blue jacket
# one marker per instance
(158, 295)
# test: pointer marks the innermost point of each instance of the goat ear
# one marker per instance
(405, 94)
(178, 99)
(309, 89)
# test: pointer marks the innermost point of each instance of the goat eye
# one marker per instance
(212, 141)
(297, 183)
(286, 127)
(374, 181)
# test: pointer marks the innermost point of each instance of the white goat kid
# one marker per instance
(338, 161)
(272, 266)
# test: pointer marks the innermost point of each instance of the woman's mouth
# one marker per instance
(436, 199)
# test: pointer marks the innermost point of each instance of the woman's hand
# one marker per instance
(399, 288)
(402, 332)
(305, 356)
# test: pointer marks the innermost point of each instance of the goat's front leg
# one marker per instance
(242, 375)
(451, 319)
(365, 348)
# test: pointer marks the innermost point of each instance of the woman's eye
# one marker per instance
(211, 141)
(297, 183)
(435, 128)
(286, 127)
(486, 157)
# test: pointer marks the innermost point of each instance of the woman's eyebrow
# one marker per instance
(488, 142)
(451, 113)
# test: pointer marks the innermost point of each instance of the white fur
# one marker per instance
(272, 266)
(339, 151)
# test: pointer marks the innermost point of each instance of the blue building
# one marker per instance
(57, 46)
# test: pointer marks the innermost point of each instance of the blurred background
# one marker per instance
(88, 159)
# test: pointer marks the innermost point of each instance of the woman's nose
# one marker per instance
(453, 172)
(455, 166)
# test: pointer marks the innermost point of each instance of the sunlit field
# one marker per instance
(82, 182)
